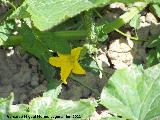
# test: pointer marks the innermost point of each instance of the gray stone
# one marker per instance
(34, 83)
(143, 32)
(23, 77)
(155, 29)
(39, 89)
(33, 61)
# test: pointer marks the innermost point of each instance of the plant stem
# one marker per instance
(11, 4)
(68, 35)
(126, 35)
(119, 22)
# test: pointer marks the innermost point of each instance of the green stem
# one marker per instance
(122, 20)
(11, 4)
(68, 35)
(89, 24)
(126, 35)
(107, 72)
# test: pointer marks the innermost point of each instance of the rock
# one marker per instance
(23, 97)
(34, 69)
(155, 29)
(34, 83)
(77, 94)
(86, 92)
(25, 57)
(35, 80)
(140, 54)
(35, 77)
(23, 77)
(3, 9)
(120, 53)
(33, 61)
(10, 53)
(150, 18)
(118, 5)
(5, 81)
(39, 89)
(142, 19)
(143, 32)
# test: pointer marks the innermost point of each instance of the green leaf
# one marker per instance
(133, 93)
(151, 58)
(48, 13)
(119, 22)
(32, 44)
(5, 104)
(156, 9)
(49, 105)
(55, 43)
(112, 118)
(153, 42)
(49, 73)
(135, 22)
(53, 93)
(53, 107)
(5, 30)
(20, 12)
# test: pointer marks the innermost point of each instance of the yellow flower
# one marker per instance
(68, 63)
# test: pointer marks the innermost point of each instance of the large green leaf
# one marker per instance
(50, 106)
(47, 13)
(31, 43)
(5, 104)
(134, 93)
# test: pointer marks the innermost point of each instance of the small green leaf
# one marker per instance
(133, 93)
(135, 22)
(53, 93)
(5, 31)
(156, 9)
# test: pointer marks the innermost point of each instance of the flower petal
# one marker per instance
(65, 71)
(77, 69)
(55, 61)
(76, 52)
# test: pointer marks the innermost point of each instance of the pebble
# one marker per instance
(33, 61)
(150, 18)
(23, 97)
(143, 32)
(39, 89)
(155, 29)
